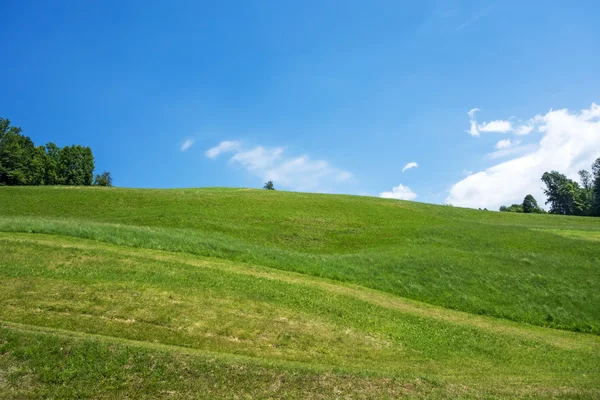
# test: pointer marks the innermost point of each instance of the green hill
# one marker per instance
(174, 293)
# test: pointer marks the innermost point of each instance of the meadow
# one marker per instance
(218, 293)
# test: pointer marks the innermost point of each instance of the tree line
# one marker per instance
(23, 163)
(566, 196)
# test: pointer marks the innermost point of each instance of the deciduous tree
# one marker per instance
(530, 204)
(564, 195)
(21, 163)
(269, 186)
(596, 188)
(103, 179)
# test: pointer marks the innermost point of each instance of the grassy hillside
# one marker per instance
(540, 269)
(171, 293)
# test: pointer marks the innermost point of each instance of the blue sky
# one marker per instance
(330, 96)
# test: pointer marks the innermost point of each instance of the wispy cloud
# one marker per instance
(410, 165)
(272, 164)
(399, 192)
(511, 151)
(506, 143)
(223, 147)
(187, 144)
(474, 130)
(475, 17)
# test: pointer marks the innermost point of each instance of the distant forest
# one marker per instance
(23, 163)
(566, 196)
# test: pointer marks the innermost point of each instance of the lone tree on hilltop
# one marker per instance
(269, 186)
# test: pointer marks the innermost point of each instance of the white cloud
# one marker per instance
(223, 147)
(524, 129)
(258, 158)
(187, 144)
(506, 143)
(570, 142)
(473, 112)
(511, 151)
(496, 126)
(503, 144)
(492, 126)
(503, 126)
(410, 165)
(528, 126)
(399, 192)
(591, 114)
(296, 173)
(474, 131)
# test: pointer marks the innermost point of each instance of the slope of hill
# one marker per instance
(171, 293)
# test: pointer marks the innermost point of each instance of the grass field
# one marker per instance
(223, 293)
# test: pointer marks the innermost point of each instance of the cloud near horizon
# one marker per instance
(570, 142)
(399, 192)
(271, 164)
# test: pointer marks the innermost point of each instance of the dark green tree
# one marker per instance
(530, 204)
(596, 188)
(586, 179)
(518, 208)
(269, 186)
(37, 168)
(587, 190)
(564, 195)
(76, 165)
(16, 154)
(5, 128)
(21, 163)
(103, 179)
(51, 176)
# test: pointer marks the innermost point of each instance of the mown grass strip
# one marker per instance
(234, 310)
(555, 337)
